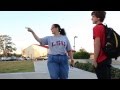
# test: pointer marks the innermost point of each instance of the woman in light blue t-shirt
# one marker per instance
(59, 50)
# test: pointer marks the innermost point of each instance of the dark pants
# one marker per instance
(103, 70)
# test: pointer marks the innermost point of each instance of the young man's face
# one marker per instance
(95, 19)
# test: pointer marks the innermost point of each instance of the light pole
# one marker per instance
(74, 41)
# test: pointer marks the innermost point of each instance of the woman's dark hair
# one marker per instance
(61, 30)
(99, 14)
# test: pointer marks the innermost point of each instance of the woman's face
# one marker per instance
(54, 29)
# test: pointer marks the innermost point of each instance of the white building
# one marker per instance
(34, 51)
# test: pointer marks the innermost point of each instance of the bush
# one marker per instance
(85, 66)
(76, 55)
(82, 54)
(115, 72)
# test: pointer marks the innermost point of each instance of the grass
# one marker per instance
(16, 66)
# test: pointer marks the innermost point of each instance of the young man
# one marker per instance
(101, 62)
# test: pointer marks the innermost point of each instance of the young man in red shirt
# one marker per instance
(101, 62)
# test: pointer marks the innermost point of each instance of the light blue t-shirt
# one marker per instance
(57, 44)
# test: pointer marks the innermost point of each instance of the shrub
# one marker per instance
(115, 72)
(85, 66)
(82, 54)
(76, 55)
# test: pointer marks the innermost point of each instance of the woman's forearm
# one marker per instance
(70, 54)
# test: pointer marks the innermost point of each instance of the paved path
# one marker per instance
(41, 72)
(74, 73)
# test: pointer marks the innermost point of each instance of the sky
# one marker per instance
(75, 23)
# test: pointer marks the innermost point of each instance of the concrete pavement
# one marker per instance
(74, 73)
(41, 72)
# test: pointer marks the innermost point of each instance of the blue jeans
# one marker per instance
(58, 66)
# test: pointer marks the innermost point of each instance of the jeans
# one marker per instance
(58, 66)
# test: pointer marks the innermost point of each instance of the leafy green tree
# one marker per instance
(6, 45)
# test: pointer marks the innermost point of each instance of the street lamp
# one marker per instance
(74, 41)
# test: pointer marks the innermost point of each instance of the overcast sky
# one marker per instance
(76, 23)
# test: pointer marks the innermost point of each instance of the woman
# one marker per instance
(57, 57)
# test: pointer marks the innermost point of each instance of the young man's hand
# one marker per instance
(95, 63)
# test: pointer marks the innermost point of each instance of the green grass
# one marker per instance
(16, 66)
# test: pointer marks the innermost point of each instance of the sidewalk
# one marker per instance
(74, 73)
(41, 72)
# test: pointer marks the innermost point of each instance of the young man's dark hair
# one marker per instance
(99, 14)
(101, 62)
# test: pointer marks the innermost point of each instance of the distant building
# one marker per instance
(34, 51)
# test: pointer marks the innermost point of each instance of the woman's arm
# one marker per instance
(70, 54)
(33, 33)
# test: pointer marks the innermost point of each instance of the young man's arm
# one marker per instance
(96, 50)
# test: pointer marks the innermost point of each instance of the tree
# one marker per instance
(6, 45)
(82, 50)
